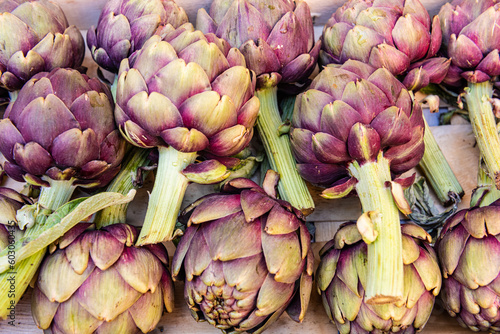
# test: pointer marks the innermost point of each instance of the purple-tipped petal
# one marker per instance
(273, 295)
(366, 98)
(74, 148)
(287, 29)
(105, 249)
(321, 174)
(42, 309)
(247, 115)
(185, 140)
(328, 149)
(411, 37)
(387, 56)
(236, 82)
(230, 141)
(358, 43)
(215, 207)
(246, 273)
(260, 57)
(464, 52)
(337, 119)
(255, 204)
(33, 158)
(312, 103)
(393, 127)
(490, 64)
(342, 189)
(301, 67)
(301, 140)
(363, 143)
(206, 172)
(281, 221)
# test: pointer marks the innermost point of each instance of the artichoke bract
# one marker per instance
(354, 128)
(467, 249)
(342, 277)
(97, 281)
(397, 35)
(245, 257)
(10, 202)
(472, 39)
(187, 94)
(125, 25)
(60, 133)
(35, 37)
(277, 39)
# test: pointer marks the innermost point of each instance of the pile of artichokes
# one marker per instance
(174, 104)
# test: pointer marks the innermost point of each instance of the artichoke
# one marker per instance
(60, 133)
(245, 256)
(354, 128)
(471, 38)
(277, 39)
(396, 35)
(35, 37)
(342, 277)
(400, 37)
(188, 94)
(10, 202)
(97, 281)
(125, 25)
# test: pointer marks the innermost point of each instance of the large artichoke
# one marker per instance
(124, 26)
(61, 133)
(471, 38)
(188, 94)
(277, 39)
(97, 281)
(35, 37)
(354, 128)
(245, 258)
(397, 35)
(467, 249)
(342, 277)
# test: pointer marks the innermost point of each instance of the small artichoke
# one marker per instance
(467, 249)
(98, 282)
(352, 113)
(341, 280)
(396, 35)
(124, 26)
(61, 127)
(35, 37)
(245, 257)
(274, 36)
(471, 39)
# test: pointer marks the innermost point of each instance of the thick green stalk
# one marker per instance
(385, 254)
(59, 192)
(486, 191)
(478, 97)
(291, 186)
(166, 198)
(437, 170)
(122, 183)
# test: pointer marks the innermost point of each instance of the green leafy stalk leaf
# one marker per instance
(49, 229)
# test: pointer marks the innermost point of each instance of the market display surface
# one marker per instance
(248, 166)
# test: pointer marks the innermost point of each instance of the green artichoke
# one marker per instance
(124, 26)
(467, 249)
(277, 39)
(245, 257)
(35, 37)
(471, 38)
(190, 95)
(353, 129)
(342, 278)
(397, 35)
(98, 282)
(60, 133)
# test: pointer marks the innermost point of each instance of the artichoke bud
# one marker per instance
(363, 143)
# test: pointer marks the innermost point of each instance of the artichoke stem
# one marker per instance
(437, 170)
(166, 198)
(483, 180)
(385, 254)
(478, 97)
(291, 186)
(59, 193)
(122, 183)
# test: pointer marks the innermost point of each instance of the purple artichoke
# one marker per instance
(274, 36)
(467, 249)
(188, 94)
(61, 130)
(97, 281)
(396, 35)
(35, 37)
(245, 257)
(342, 275)
(125, 25)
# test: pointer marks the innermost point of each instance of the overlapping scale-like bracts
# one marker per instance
(342, 274)
(97, 281)
(275, 36)
(245, 257)
(125, 25)
(35, 38)
(471, 40)
(61, 126)
(471, 273)
(352, 113)
(190, 91)
(397, 35)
